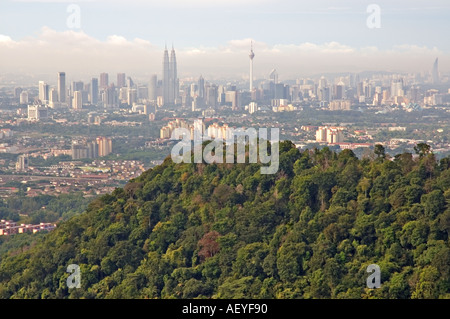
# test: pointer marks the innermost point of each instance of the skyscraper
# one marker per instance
(22, 163)
(129, 83)
(121, 80)
(435, 72)
(273, 76)
(76, 86)
(53, 98)
(201, 87)
(77, 102)
(251, 55)
(170, 77)
(62, 87)
(166, 78)
(104, 82)
(173, 83)
(211, 96)
(17, 92)
(397, 87)
(24, 97)
(339, 90)
(43, 91)
(104, 146)
(152, 88)
(109, 97)
(94, 91)
(131, 96)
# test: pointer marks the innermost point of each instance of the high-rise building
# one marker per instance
(323, 91)
(17, 92)
(233, 98)
(173, 83)
(109, 97)
(131, 96)
(198, 129)
(166, 77)
(22, 163)
(170, 78)
(142, 92)
(104, 81)
(61, 87)
(435, 72)
(94, 91)
(321, 134)
(77, 101)
(130, 83)
(339, 91)
(201, 87)
(211, 96)
(104, 146)
(121, 82)
(193, 89)
(330, 135)
(92, 149)
(53, 98)
(152, 88)
(23, 98)
(83, 149)
(252, 107)
(273, 76)
(79, 151)
(37, 112)
(76, 86)
(251, 55)
(43, 91)
(397, 88)
(322, 82)
(123, 95)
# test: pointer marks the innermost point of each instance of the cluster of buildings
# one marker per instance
(101, 92)
(214, 131)
(341, 93)
(166, 131)
(101, 146)
(98, 177)
(8, 227)
(330, 134)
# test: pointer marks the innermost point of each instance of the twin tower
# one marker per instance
(170, 78)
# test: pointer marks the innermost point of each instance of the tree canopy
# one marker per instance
(226, 231)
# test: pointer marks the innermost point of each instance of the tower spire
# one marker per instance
(251, 56)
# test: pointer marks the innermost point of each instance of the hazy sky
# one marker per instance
(212, 37)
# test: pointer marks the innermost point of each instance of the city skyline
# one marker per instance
(300, 39)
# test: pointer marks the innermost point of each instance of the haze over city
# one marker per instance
(297, 38)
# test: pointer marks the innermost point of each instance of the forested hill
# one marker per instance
(226, 231)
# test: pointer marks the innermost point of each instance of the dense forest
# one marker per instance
(42, 208)
(226, 231)
(35, 210)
